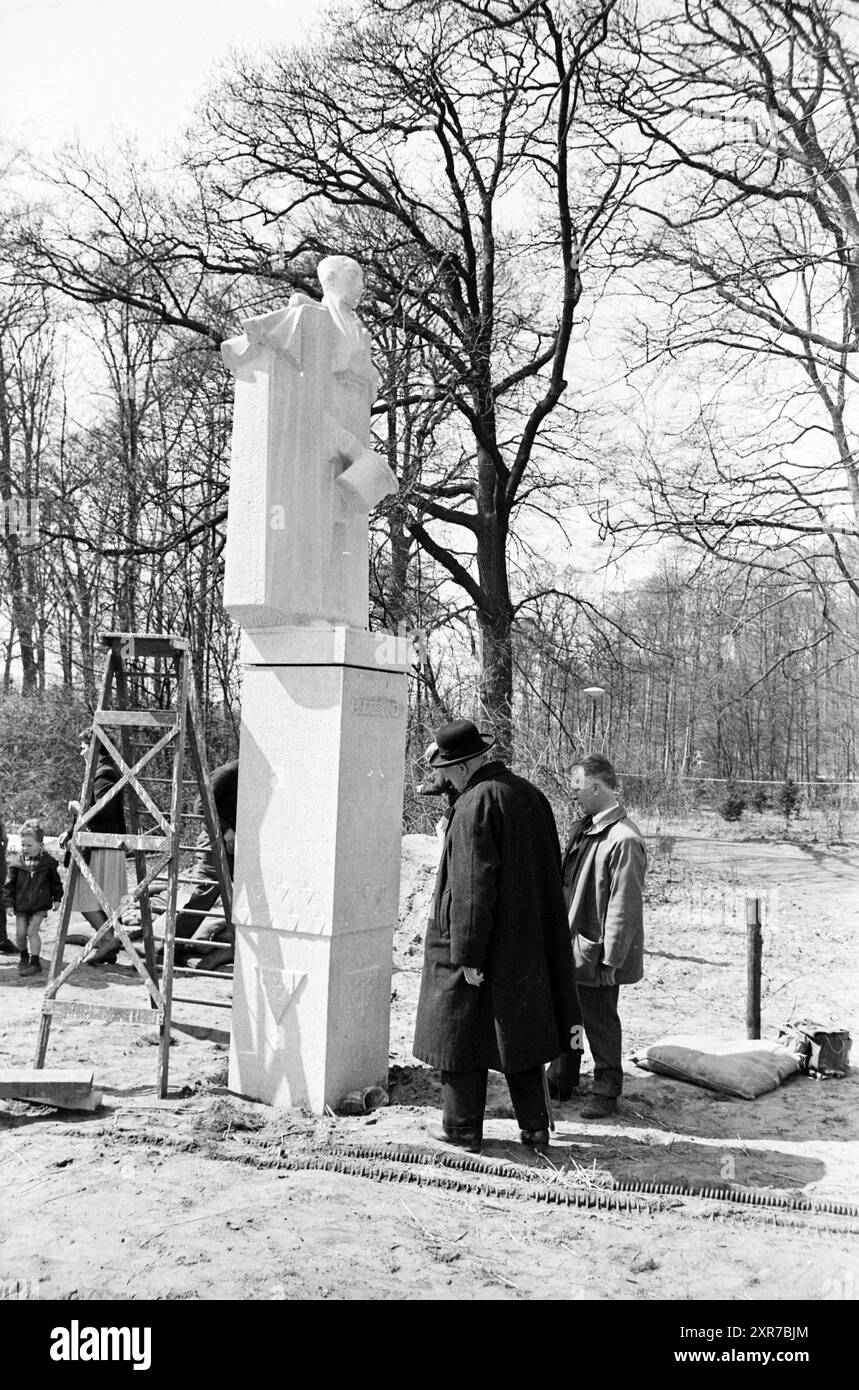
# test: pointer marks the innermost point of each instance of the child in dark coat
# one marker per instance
(32, 887)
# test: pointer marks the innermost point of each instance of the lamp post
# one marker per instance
(594, 693)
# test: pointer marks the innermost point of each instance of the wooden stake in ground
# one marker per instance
(754, 952)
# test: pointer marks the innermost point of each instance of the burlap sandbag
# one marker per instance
(746, 1069)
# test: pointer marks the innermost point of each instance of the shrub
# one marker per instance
(789, 797)
(760, 799)
(733, 805)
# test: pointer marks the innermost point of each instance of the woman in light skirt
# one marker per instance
(107, 866)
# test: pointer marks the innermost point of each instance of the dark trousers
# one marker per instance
(189, 918)
(464, 1101)
(602, 1029)
(605, 1039)
(564, 1073)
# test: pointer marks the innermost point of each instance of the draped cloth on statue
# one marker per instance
(297, 541)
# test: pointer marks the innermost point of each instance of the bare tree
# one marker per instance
(459, 154)
(26, 407)
(471, 146)
(753, 110)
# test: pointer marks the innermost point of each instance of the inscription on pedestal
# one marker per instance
(360, 988)
(298, 909)
(280, 989)
(368, 706)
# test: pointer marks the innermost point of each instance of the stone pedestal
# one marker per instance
(318, 843)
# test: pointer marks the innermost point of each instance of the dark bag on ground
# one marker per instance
(820, 1051)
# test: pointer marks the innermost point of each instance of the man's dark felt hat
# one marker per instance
(457, 742)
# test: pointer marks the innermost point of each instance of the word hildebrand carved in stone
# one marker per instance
(375, 706)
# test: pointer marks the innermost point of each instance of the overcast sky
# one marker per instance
(93, 67)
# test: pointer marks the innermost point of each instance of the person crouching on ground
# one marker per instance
(192, 924)
(604, 867)
(32, 888)
(497, 989)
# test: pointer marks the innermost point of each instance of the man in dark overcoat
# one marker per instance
(497, 989)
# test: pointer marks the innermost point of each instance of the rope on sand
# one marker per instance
(474, 1163)
(603, 1199)
(458, 1172)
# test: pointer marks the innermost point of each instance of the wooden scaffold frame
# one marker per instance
(176, 730)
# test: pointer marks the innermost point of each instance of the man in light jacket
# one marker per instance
(604, 867)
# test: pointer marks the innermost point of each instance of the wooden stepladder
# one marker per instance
(149, 747)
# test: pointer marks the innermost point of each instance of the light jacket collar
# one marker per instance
(607, 818)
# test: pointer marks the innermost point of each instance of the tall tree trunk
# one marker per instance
(7, 661)
(496, 632)
(21, 606)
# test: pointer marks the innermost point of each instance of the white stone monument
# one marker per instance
(319, 819)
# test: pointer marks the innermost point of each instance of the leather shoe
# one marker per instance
(599, 1108)
(470, 1142)
(534, 1138)
(106, 953)
(7, 949)
(213, 960)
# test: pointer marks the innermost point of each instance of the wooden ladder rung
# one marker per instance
(198, 912)
(203, 1003)
(206, 974)
(145, 643)
(164, 781)
(92, 839)
(138, 718)
(132, 673)
(184, 878)
(72, 1008)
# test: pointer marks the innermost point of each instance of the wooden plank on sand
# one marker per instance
(56, 1085)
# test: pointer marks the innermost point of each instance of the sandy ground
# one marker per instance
(183, 1199)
